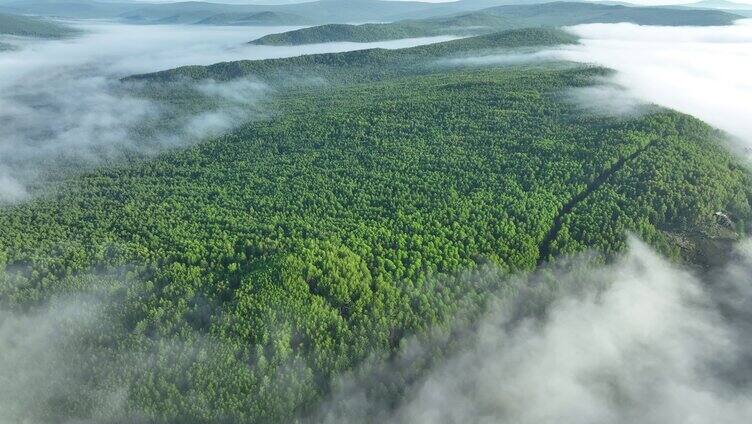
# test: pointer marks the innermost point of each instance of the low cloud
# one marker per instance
(238, 99)
(43, 362)
(606, 99)
(62, 105)
(702, 71)
(639, 341)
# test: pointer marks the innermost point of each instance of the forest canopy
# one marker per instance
(235, 280)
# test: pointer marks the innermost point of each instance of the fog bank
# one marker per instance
(61, 101)
(701, 71)
(639, 341)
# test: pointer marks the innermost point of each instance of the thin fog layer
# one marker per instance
(606, 98)
(61, 101)
(640, 341)
(520, 58)
(702, 71)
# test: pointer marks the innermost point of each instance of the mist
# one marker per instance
(62, 105)
(701, 71)
(638, 341)
(608, 99)
(646, 349)
(641, 340)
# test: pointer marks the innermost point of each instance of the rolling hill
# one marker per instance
(85, 9)
(324, 11)
(192, 12)
(501, 18)
(238, 280)
(210, 15)
(566, 13)
(719, 4)
(257, 19)
(33, 27)
(466, 24)
(370, 64)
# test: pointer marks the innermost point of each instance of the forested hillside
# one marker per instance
(233, 281)
(362, 65)
(209, 16)
(32, 27)
(495, 19)
(472, 23)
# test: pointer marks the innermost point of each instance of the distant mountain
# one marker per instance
(211, 17)
(68, 9)
(501, 18)
(462, 6)
(323, 11)
(570, 13)
(374, 64)
(308, 13)
(720, 4)
(255, 19)
(320, 12)
(466, 24)
(33, 27)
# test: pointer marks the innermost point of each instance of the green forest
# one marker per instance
(235, 280)
(359, 65)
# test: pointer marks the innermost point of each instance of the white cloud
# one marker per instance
(61, 99)
(702, 71)
(640, 341)
(606, 99)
